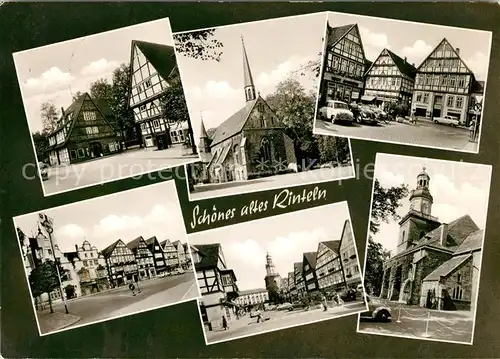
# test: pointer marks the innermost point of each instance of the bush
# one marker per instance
(263, 174)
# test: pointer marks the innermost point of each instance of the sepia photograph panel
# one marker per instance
(276, 273)
(111, 262)
(105, 106)
(251, 91)
(424, 248)
(403, 82)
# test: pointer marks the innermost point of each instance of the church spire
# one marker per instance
(204, 140)
(270, 268)
(249, 86)
(420, 198)
(203, 132)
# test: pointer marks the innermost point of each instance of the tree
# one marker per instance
(376, 255)
(41, 141)
(201, 45)
(295, 107)
(101, 90)
(174, 108)
(333, 149)
(385, 202)
(274, 296)
(77, 95)
(49, 115)
(43, 279)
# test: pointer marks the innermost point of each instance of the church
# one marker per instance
(436, 264)
(249, 144)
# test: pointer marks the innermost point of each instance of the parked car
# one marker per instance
(447, 120)
(336, 111)
(44, 170)
(348, 295)
(376, 311)
(178, 271)
(284, 306)
(367, 115)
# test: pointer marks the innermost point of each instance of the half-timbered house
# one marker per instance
(299, 279)
(158, 254)
(344, 65)
(170, 254)
(329, 269)
(143, 256)
(181, 254)
(309, 272)
(443, 84)
(348, 255)
(153, 69)
(217, 284)
(390, 78)
(121, 263)
(83, 132)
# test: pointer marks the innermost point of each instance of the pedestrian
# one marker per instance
(325, 304)
(259, 316)
(413, 118)
(224, 323)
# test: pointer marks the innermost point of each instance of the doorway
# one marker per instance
(96, 149)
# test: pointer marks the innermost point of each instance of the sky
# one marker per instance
(457, 188)
(417, 40)
(275, 48)
(146, 211)
(55, 72)
(286, 237)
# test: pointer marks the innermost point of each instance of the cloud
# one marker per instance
(66, 235)
(254, 254)
(113, 223)
(478, 63)
(266, 81)
(99, 67)
(417, 52)
(389, 179)
(71, 230)
(51, 79)
(374, 39)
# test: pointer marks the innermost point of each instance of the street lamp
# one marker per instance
(46, 223)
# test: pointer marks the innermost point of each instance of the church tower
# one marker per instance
(204, 140)
(418, 221)
(272, 279)
(249, 86)
(421, 199)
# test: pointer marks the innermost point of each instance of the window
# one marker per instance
(426, 98)
(460, 101)
(89, 116)
(72, 154)
(85, 263)
(419, 97)
(265, 149)
(450, 101)
(458, 278)
(156, 123)
(461, 81)
(457, 292)
(81, 152)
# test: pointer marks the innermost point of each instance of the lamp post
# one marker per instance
(47, 224)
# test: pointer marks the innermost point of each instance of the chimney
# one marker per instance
(458, 51)
(62, 111)
(406, 60)
(444, 234)
(76, 247)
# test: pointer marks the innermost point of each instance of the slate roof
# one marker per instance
(311, 258)
(209, 255)
(162, 57)
(333, 245)
(473, 242)
(447, 267)
(234, 124)
(478, 87)
(368, 64)
(403, 66)
(336, 33)
(151, 243)
(106, 252)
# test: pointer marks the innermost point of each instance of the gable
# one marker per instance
(233, 125)
(322, 250)
(444, 58)
(261, 116)
(384, 65)
(347, 238)
(147, 81)
(89, 121)
(350, 46)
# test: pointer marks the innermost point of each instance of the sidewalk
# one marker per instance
(56, 321)
(175, 152)
(180, 292)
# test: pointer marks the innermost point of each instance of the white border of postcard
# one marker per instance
(255, 222)
(426, 160)
(354, 16)
(85, 163)
(75, 325)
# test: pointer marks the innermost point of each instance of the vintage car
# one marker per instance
(366, 114)
(336, 111)
(376, 312)
(44, 170)
(447, 120)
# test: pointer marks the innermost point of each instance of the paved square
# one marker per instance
(424, 133)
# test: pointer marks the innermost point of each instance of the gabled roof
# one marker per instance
(337, 33)
(333, 245)
(447, 267)
(151, 243)
(203, 132)
(106, 252)
(209, 255)
(234, 124)
(162, 57)
(134, 244)
(478, 87)
(461, 228)
(472, 243)
(445, 40)
(311, 258)
(403, 65)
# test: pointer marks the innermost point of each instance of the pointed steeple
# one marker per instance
(203, 132)
(204, 139)
(249, 86)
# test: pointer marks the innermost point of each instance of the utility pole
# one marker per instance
(46, 223)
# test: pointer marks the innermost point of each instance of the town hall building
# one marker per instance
(250, 143)
(436, 264)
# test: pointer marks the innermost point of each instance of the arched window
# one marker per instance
(403, 237)
(265, 150)
(236, 154)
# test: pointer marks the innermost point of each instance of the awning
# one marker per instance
(367, 98)
(354, 95)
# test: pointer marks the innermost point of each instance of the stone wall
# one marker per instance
(423, 268)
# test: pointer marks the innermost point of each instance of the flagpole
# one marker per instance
(49, 229)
